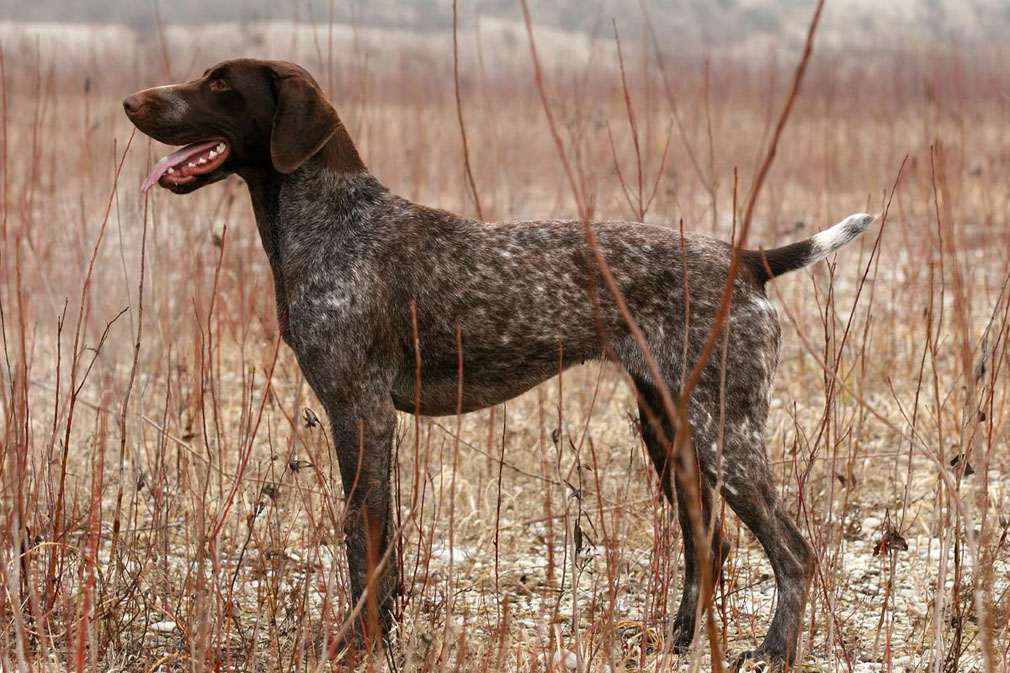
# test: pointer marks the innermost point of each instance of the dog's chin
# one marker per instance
(192, 183)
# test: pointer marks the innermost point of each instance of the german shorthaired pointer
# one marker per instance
(355, 266)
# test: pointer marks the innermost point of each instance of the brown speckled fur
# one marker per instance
(349, 259)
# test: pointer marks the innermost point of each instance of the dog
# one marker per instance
(388, 305)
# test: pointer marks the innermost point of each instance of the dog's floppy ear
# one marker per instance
(303, 123)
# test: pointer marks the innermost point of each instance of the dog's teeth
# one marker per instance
(201, 160)
(191, 164)
(220, 147)
(170, 171)
(211, 154)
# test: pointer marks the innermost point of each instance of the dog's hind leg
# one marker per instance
(651, 415)
(685, 622)
(748, 490)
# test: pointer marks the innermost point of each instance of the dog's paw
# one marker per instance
(351, 647)
(681, 638)
(756, 661)
(347, 647)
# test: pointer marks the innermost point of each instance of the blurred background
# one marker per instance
(693, 23)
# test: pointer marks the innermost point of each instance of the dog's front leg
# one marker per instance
(362, 436)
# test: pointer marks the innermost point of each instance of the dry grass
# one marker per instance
(176, 507)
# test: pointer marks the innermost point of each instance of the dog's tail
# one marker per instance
(766, 264)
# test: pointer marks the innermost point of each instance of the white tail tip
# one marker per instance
(829, 240)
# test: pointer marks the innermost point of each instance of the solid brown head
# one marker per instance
(243, 116)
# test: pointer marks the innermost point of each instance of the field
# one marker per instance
(170, 500)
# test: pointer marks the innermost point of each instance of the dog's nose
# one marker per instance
(132, 103)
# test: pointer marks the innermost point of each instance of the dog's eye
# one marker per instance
(217, 84)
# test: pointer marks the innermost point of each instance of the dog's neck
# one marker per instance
(341, 200)
(335, 180)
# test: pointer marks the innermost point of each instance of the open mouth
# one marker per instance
(186, 163)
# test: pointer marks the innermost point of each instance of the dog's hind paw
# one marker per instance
(681, 638)
(755, 661)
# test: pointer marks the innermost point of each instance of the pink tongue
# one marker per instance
(176, 157)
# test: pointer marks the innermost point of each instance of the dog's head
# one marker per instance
(241, 115)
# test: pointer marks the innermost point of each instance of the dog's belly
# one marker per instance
(441, 398)
(484, 384)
